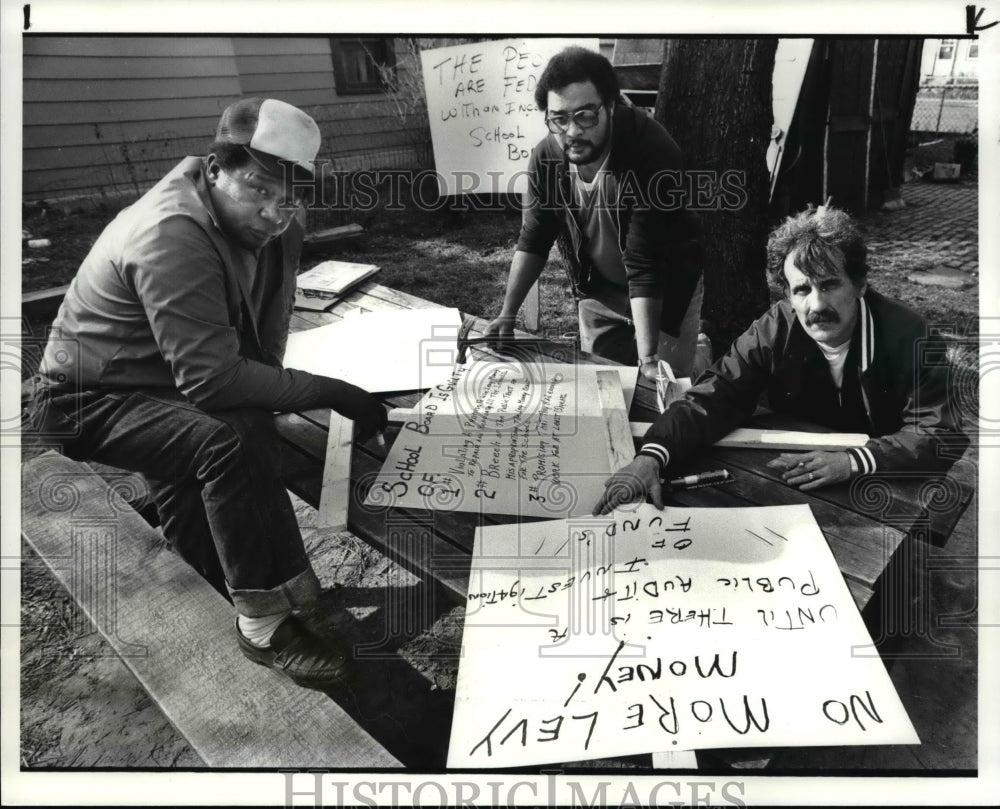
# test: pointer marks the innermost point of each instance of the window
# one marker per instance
(973, 50)
(356, 64)
(947, 49)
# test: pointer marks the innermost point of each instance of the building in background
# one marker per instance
(947, 104)
(950, 58)
(106, 116)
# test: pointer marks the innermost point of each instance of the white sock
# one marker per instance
(259, 630)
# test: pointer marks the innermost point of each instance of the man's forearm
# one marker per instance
(646, 316)
(524, 271)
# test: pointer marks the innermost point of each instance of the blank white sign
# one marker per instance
(408, 349)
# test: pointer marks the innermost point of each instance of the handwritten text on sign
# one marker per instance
(481, 107)
(503, 438)
(664, 630)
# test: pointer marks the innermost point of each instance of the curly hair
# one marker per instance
(230, 156)
(575, 64)
(816, 238)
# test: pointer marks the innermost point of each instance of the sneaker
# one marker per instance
(304, 650)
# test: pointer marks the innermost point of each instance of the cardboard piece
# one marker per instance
(317, 289)
(663, 630)
(389, 350)
(333, 278)
(790, 62)
(752, 438)
(504, 437)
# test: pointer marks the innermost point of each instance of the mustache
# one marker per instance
(825, 316)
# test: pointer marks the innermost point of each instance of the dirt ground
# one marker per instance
(80, 707)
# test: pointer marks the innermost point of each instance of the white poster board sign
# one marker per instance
(482, 113)
(523, 438)
(406, 349)
(664, 630)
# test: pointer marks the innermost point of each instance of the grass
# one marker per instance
(71, 236)
(461, 259)
(455, 259)
(891, 261)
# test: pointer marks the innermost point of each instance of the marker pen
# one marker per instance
(713, 478)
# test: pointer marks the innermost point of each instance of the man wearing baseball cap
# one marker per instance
(176, 324)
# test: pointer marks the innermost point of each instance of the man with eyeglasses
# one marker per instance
(595, 185)
(166, 359)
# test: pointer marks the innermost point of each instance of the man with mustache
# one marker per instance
(166, 359)
(833, 352)
(605, 184)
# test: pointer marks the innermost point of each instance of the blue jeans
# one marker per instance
(215, 479)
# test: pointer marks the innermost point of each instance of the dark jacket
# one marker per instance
(895, 389)
(659, 238)
(163, 299)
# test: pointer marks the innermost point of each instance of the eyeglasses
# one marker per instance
(257, 192)
(585, 119)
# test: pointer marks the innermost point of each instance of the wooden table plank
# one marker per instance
(394, 297)
(617, 436)
(898, 500)
(420, 541)
(335, 494)
(906, 509)
(176, 634)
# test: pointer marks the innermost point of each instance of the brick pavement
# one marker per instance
(943, 218)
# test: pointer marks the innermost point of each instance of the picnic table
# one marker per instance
(865, 522)
(870, 525)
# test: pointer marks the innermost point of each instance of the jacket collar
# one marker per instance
(623, 138)
(866, 325)
(241, 263)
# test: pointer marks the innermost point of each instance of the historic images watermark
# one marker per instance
(550, 789)
(364, 191)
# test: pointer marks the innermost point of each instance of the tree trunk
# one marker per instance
(715, 100)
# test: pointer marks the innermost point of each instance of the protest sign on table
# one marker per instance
(664, 630)
(498, 437)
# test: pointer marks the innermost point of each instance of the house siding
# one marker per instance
(108, 116)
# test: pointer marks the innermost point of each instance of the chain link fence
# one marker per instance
(946, 106)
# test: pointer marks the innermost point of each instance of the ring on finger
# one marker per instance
(812, 476)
